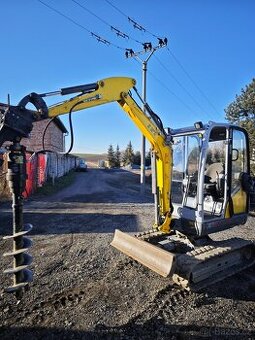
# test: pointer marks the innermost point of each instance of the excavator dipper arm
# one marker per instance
(118, 90)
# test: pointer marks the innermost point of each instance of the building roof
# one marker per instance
(60, 125)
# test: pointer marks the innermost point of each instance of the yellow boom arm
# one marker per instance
(118, 89)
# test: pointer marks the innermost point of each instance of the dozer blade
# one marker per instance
(151, 256)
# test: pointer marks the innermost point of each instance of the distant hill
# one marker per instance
(91, 159)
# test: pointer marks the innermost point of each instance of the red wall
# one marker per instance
(36, 170)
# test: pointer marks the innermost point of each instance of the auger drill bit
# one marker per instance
(16, 177)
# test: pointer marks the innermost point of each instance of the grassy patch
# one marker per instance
(60, 183)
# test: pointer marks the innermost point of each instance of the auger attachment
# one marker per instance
(16, 177)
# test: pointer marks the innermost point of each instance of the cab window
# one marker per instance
(239, 158)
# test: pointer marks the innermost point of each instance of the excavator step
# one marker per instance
(195, 269)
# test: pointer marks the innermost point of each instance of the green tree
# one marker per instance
(128, 155)
(137, 158)
(111, 156)
(148, 158)
(117, 156)
(242, 112)
(243, 107)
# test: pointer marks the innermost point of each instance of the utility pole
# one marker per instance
(148, 48)
(143, 145)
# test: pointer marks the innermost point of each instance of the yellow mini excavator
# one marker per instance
(201, 185)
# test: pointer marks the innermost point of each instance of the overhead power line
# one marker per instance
(181, 85)
(129, 51)
(142, 28)
(193, 81)
(117, 31)
(171, 92)
(109, 43)
(132, 21)
(136, 25)
(94, 35)
(100, 39)
(117, 9)
(147, 46)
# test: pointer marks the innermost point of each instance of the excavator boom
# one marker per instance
(102, 92)
(118, 90)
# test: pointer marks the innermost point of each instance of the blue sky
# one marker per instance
(42, 51)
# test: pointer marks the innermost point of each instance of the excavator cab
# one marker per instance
(210, 181)
(209, 192)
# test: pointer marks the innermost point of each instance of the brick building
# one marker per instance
(54, 139)
(41, 166)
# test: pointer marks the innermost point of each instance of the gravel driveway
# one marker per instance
(85, 289)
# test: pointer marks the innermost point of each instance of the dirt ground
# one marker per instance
(85, 289)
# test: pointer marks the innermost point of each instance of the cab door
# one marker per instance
(238, 166)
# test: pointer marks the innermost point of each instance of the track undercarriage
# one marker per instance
(191, 264)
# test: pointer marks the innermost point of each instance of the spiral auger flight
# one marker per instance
(16, 177)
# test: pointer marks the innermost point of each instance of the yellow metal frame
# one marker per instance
(109, 90)
(117, 89)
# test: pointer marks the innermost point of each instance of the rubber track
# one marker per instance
(209, 252)
(206, 253)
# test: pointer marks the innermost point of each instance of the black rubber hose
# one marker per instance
(71, 126)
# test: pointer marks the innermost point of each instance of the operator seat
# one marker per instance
(214, 184)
